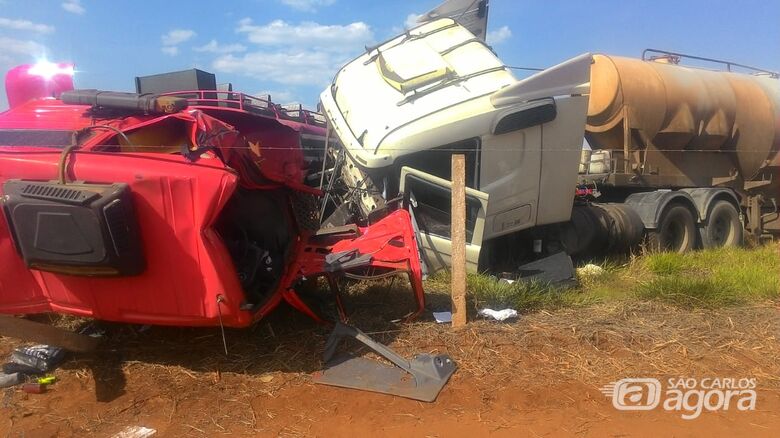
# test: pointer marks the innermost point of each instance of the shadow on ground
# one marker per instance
(286, 341)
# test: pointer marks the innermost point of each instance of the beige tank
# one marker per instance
(704, 123)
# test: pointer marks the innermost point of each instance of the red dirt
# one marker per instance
(529, 378)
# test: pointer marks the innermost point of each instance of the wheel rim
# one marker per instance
(721, 231)
(676, 236)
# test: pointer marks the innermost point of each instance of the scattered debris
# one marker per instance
(43, 358)
(9, 380)
(34, 388)
(136, 432)
(13, 368)
(421, 378)
(31, 361)
(266, 378)
(498, 315)
(590, 270)
(48, 380)
(557, 269)
(442, 317)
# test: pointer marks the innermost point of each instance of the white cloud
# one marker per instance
(14, 52)
(173, 38)
(499, 35)
(295, 54)
(25, 25)
(214, 47)
(411, 21)
(74, 7)
(170, 50)
(335, 38)
(177, 36)
(21, 48)
(308, 5)
(283, 96)
(288, 68)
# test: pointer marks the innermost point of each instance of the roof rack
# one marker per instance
(729, 65)
(226, 99)
(298, 113)
(244, 102)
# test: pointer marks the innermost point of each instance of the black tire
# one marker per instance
(676, 231)
(723, 227)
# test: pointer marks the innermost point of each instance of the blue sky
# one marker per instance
(291, 48)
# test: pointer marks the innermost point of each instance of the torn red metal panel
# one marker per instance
(192, 277)
(386, 246)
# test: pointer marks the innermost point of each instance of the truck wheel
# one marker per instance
(675, 233)
(723, 228)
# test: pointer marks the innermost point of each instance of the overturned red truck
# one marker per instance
(185, 209)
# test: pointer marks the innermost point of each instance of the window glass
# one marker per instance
(438, 161)
(434, 206)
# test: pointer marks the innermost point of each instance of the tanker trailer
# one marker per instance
(682, 156)
(710, 138)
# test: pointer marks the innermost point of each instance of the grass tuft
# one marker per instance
(700, 279)
(528, 296)
(715, 278)
(688, 292)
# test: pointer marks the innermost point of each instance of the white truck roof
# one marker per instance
(432, 76)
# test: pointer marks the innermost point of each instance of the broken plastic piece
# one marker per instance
(442, 317)
(41, 357)
(590, 270)
(498, 315)
(9, 380)
(428, 373)
(344, 260)
(136, 432)
(556, 269)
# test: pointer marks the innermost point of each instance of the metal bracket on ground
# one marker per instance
(421, 378)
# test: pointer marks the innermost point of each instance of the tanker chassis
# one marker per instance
(590, 156)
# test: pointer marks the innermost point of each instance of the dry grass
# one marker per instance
(182, 374)
(604, 333)
(615, 340)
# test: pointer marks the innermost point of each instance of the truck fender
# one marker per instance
(650, 205)
(704, 197)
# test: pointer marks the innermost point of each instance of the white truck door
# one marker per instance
(429, 200)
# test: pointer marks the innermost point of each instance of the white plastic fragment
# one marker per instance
(590, 270)
(442, 317)
(9, 380)
(498, 315)
(136, 432)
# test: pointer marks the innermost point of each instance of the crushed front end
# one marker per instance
(169, 216)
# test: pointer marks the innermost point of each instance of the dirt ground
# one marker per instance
(537, 376)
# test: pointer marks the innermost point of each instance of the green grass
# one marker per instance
(486, 291)
(713, 278)
(701, 279)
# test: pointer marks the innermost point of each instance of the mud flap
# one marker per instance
(421, 378)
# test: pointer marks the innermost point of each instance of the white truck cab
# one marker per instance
(437, 90)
